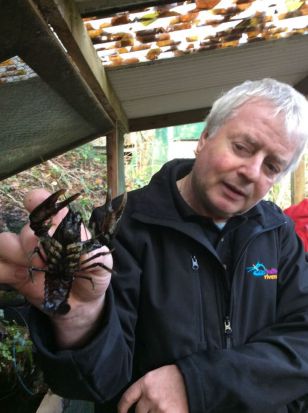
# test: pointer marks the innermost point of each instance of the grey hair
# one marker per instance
(285, 99)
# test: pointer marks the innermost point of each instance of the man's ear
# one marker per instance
(202, 140)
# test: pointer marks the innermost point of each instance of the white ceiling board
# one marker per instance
(194, 81)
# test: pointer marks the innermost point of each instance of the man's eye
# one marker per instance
(272, 169)
(239, 148)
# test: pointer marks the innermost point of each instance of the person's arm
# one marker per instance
(271, 369)
(100, 368)
(96, 371)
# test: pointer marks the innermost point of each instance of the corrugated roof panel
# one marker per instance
(172, 30)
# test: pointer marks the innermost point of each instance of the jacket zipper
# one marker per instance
(195, 267)
(227, 320)
(228, 332)
(227, 328)
(194, 263)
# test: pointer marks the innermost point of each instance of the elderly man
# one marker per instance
(208, 309)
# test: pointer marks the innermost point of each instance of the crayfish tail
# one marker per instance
(52, 308)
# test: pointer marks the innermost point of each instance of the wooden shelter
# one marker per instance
(87, 84)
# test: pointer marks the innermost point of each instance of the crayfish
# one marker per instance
(61, 252)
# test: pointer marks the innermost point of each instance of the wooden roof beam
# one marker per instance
(302, 86)
(65, 19)
(88, 8)
(170, 119)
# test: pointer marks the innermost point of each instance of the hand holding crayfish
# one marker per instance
(67, 282)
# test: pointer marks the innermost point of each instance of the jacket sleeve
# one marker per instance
(271, 369)
(101, 369)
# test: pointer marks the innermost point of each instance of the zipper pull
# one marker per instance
(228, 331)
(194, 263)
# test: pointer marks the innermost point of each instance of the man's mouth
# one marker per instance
(238, 192)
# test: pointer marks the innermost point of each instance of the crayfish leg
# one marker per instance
(99, 264)
(37, 251)
(96, 264)
(31, 270)
(85, 277)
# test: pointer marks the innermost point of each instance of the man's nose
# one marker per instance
(251, 168)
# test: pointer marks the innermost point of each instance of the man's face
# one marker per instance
(237, 166)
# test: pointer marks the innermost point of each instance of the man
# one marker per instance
(208, 308)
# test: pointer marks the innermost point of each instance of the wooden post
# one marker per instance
(121, 167)
(298, 183)
(115, 161)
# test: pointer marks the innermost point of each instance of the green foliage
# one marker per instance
(150, 152)
(274, 192)
(280, 193)
(87, 152)
(188, 132)
(5, 188)
(15, 347)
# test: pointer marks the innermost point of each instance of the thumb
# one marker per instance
(130, 397)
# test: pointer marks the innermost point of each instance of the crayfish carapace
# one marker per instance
(61, 252)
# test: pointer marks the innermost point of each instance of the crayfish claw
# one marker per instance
(62, 204)
(118, 212)
(47, 209)
(111, 218)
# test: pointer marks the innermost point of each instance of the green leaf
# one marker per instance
(149, 18)
(293, 5)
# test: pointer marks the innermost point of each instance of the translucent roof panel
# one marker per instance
(193, 26)
(14, 70)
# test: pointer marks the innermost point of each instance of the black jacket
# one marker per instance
(233, 318)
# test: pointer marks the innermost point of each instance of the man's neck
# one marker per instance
(185, 190)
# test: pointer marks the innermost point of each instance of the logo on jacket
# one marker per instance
(259, 270)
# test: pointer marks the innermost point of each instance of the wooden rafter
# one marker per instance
(109, 7)
(169, 119)
(302, 86)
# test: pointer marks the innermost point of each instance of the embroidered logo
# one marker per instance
(259, 270)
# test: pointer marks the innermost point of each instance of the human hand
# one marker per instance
(86, 302)
(159, 391)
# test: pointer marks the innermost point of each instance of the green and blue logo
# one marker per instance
(259, 270)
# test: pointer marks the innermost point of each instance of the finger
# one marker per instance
(143, 406)
(130, 397)
(11, 249)
(7, 273)
(85, 233)
(29, 242)
(18, 278)
(34, 198)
